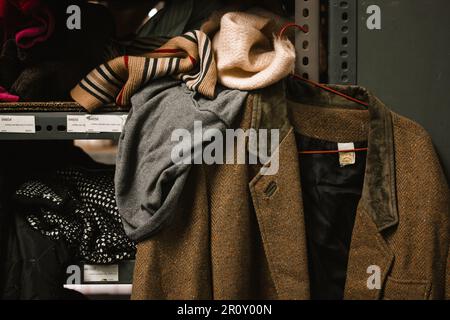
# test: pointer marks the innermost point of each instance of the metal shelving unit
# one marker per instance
(307, 14)
(69, 121)
(59, 121)
(51, 121)
(342, 41)
(115, 279)
(404, 60)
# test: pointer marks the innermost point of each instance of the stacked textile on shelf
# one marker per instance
(56, 211)
(78, 206)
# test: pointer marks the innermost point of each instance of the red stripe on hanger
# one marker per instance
(292, 25)
(324, 87)
(318, 85)
(333, 151)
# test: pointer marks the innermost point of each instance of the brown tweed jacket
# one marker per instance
(241, 235)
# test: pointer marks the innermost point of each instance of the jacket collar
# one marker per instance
(278, 199)
(379, 192)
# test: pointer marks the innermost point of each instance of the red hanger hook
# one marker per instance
(292, 25)
(323, 87)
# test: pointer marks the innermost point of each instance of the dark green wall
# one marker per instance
(407, 63)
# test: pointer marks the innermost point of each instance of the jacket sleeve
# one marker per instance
(434, 195)
(447, 275)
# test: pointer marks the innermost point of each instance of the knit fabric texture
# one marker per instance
(149, 182)
(28, 21)
(78, 206)
(248, 55)
(188, 57)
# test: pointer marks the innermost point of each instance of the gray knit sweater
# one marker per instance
(148, 183)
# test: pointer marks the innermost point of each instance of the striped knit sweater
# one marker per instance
(188, 57)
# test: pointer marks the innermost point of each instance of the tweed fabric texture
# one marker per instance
(402, 221)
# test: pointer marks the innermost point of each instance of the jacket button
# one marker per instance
(271, 189)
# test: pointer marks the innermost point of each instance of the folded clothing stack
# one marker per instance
(77, 206)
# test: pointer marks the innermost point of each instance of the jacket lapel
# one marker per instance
(279, 211)
(377, 210)
(278, 202)
(370, 258)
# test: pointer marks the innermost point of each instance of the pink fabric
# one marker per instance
(28, 21)
(7, 97)
(44, 28)
(28, 5)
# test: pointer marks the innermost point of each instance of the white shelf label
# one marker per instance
(76, 124)
(104, 123)
(95, 123)
(101, 273)
(17, 124)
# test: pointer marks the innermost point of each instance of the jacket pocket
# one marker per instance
(396, 289)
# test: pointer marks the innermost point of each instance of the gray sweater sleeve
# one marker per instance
(148, 183)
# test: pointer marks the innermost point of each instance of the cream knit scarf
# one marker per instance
(247, 53)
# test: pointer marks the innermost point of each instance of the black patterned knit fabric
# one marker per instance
(78, 206)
